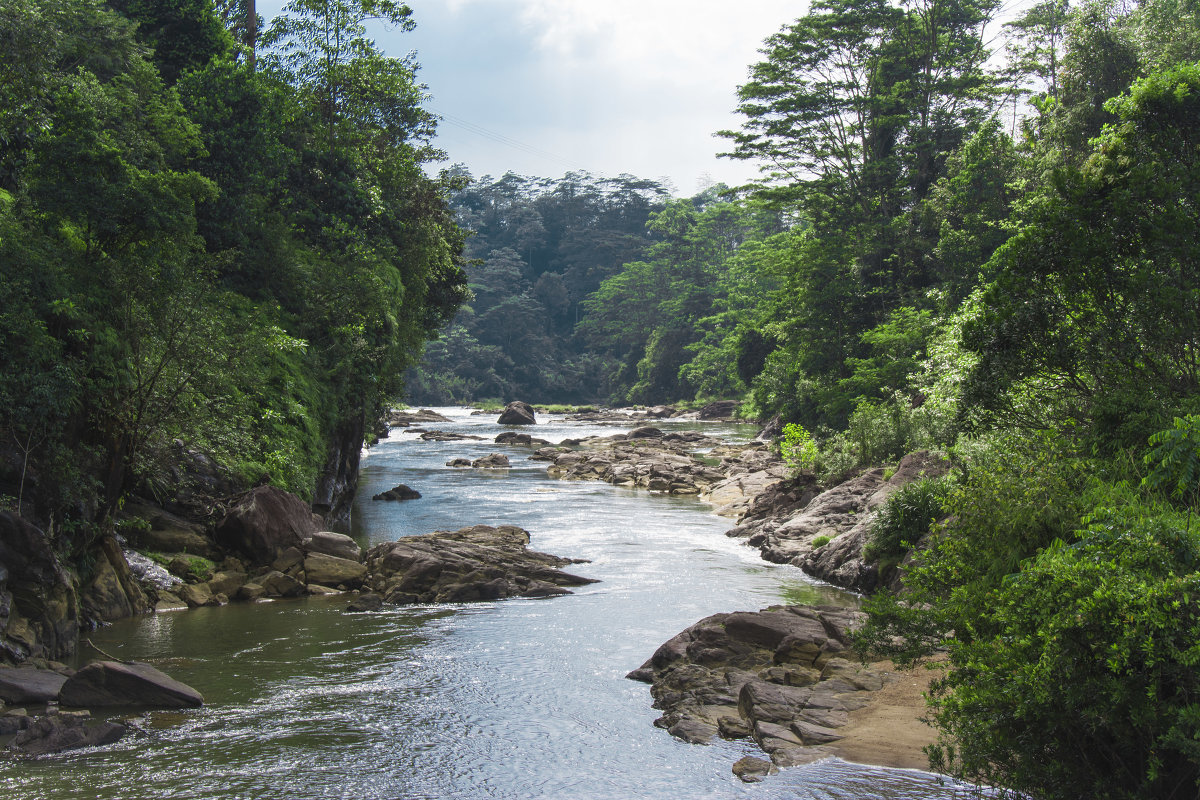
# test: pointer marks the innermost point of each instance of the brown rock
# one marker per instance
(29, 685)
(333, 571)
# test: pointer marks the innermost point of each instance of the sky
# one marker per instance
(543, 87)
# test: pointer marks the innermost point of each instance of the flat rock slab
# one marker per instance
(20, 685)
(477, 563)
(112, 683)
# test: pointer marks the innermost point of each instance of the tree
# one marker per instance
(1095, 307)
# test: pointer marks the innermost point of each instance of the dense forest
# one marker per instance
(223, 253)
(218, 248)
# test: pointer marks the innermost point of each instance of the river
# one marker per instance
(512, 699)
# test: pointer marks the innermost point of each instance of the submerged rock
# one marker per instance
(406, 417)
(113, 683)
(491, 461)
(400, 492)
(476, 563)
(62, 732)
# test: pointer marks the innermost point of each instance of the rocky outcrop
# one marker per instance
(657, 463)
(477, 563)
(401, 492)
(405, 418)
(333, 572)
(112, 593)
(777, 676)
(39, 608)
(520, 439)
(719, 410)
(517, 413)
(338, 480)
(824, 533)
(447, 436)
(264, 523)
(113, 683)
(167, 532)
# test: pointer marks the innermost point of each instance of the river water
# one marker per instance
(512, 699)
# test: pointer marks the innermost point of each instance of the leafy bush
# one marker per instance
(905, 519)
(821, 541)
(798, 448)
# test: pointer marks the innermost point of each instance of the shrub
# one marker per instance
(905, 519)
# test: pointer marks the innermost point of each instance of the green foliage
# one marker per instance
(905, 519)
(820, 541)
(798, 448)
(1174, 461)
(1084, 680)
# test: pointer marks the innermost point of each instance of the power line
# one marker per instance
(507, 141)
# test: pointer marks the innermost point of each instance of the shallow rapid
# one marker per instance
(513, 699)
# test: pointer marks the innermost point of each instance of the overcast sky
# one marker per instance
(540, 87)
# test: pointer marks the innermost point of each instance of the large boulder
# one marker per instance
(20, 685)
(265, 523)
(517, 413)
(332, 571)
(113, 683)
(39, 608)
(332, 544)
(492, 461)
(719, 409)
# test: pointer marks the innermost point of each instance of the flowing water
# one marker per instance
(513, 699)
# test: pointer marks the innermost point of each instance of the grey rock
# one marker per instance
(29, 685)
(517, 413)
(57, 734)
(112, 683)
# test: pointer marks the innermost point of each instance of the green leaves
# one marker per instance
(1174, 461)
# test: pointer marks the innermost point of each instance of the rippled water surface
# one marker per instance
(514, 699)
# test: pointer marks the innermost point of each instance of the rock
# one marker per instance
(14, 721)
(649, 463)
(59, 733)
(517, 413)
(752, 770)
(721, 409)
(491, 461)
(197, 595)
(400, 492)
(774, 675)
(38, 602)
(226, 583)
(29, 685)
(289, 561)
(333, 571)
(332, 544)
(277, 584)
(368, 601)
(772, 430)
(168, 533)
(447, 436)
(477, 563)
(265, 522)
(397, 419)
(111, 683)
(511, 437)
(251, 592)
(112, 593)
(645, 433)
(660, 412)
(168, 602)
(459, 462)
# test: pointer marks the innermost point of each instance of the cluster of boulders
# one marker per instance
(645, 458)
(824, 532)
(53, 687)
(476, 563)
(490, 461)
(781, 676)
(404, 418)
(399, 492)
